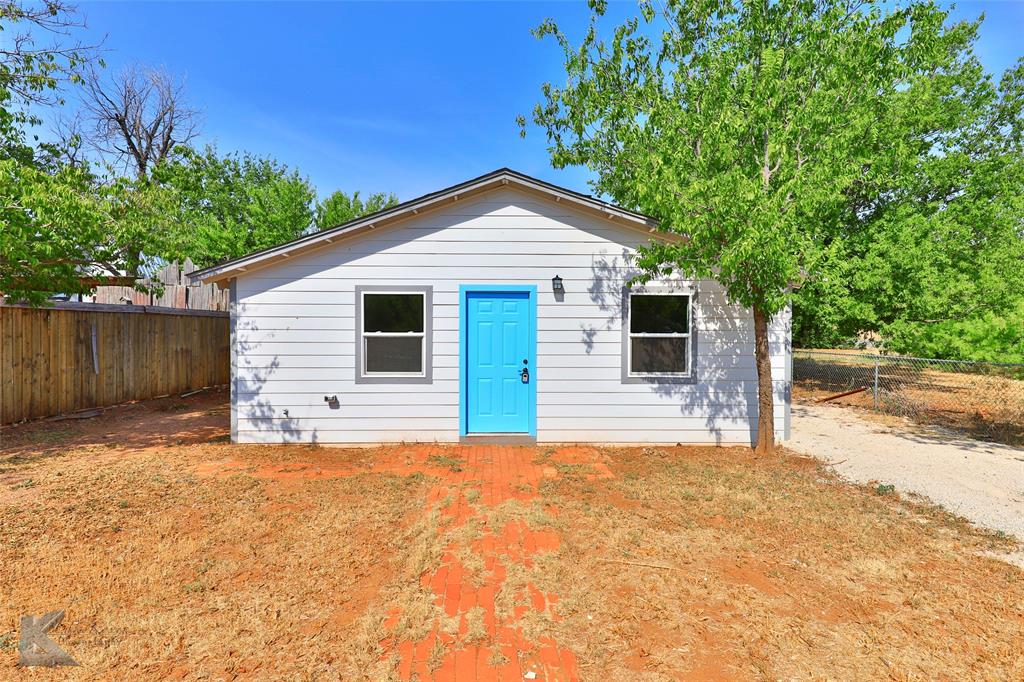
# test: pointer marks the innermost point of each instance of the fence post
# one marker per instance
(874, 392)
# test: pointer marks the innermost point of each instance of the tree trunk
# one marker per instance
(765, 395)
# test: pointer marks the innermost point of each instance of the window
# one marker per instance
(393, 334)
(658, 336)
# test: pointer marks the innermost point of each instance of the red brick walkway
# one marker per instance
(489, 476)
(474, 483)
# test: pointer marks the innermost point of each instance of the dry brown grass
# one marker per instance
(159, 569)
(164, 572)
(724, 565)
(180, 555)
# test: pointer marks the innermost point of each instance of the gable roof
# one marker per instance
(493, 180)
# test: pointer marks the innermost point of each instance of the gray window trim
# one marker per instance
(682, 290)
(428, 336)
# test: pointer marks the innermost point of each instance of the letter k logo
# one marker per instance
(35, 648)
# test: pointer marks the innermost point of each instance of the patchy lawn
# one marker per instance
(179, 555)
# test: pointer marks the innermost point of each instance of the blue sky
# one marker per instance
(400, 97)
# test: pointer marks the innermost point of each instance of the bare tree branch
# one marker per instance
(70, 146)
(138, 117)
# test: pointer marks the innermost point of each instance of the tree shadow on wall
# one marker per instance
(723, 385)
(259, 413)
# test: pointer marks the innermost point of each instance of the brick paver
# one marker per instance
(472, 481)
(490, 475)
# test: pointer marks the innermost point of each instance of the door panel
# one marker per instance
(498, 341)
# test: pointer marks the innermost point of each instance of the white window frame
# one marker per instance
(688, 335)
(425, 336)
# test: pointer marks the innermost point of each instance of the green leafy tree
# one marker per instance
(60, 229)
(989, 337)
(743, 127)
(932, 249)
(228, 206)
(340, 208)
(63, 233)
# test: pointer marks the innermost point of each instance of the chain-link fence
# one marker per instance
(981, 398)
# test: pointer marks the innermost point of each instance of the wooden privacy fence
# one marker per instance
(73, 356)
(178, 291)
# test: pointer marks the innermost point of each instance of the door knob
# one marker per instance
(525, 375)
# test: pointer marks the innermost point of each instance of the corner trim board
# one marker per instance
(233, 344)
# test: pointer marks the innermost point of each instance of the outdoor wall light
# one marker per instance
(556, 285)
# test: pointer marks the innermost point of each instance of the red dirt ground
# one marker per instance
(496, 474)
(182, 556)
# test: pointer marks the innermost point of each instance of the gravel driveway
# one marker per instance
(983, 482)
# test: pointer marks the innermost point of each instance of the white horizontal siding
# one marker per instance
(545, 376)
(295, 335)
(594, 345)
(590, 435)
(559, 402)
(707, 365)
(721, 342)
(680, 414)
(281, 319)
(713, 302)
(317, 389)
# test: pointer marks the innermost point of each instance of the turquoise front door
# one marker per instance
(499, 373)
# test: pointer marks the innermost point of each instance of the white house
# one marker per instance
(495, 310)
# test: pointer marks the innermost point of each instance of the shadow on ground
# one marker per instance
(200, 418)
